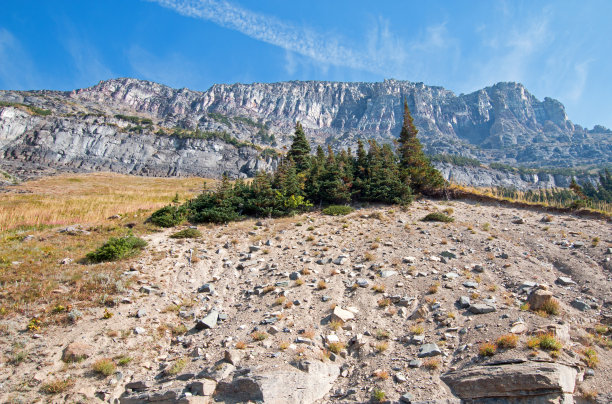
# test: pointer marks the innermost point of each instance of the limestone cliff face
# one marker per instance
(502, 123)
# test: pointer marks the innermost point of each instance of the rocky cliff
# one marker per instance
(95, 129)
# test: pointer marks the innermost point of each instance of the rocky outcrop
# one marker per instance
(529, 382)
(96, 144)
(290, 386)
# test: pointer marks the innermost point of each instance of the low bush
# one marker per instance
(169, 216)
(187, 233)
(117, 248)
(337, 210)
(437, 217)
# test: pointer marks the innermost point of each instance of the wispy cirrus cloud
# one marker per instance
(382, 52)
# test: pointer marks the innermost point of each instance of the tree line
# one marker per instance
(302, 180)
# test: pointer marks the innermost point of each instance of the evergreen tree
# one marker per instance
(332, 188)
(300, 150)
(416, 167)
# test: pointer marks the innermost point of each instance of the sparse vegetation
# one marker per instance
(335, 347)
(507, 341)
(437, 217)
(487, 349)
(337, 210)
(259, 336)
(187, 233)
(57, 386)
(117, 248)
(177, 367)
(104, 367)
(378, 395)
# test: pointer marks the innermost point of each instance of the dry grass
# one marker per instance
(487, 349)
(507, 341)
(33, 280)
(87, 198)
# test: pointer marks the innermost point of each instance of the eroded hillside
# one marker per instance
(327, 309)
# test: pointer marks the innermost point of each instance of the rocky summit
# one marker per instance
(375, 306)
(145, 128)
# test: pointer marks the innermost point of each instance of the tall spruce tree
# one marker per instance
(415, 165)
(300, 150)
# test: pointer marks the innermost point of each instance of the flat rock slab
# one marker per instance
(428, 350)
(210, 321)
(342, 315)
(480, 308)
(524, 380)
(287, 386)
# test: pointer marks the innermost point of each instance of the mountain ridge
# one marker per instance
(501, 123)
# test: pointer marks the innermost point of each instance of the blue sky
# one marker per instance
(557, 48)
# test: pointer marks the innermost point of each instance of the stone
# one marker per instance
(429, 350)
(451, 275)
(209, 321)
(76, 352)
(565, 281)
(580, 304)
(538, 298)
(233, 356)
(387, 274)
(141, 313)
(294, 276)
(470, 284)
(339, 314)
(520, 381)
(448, 254)
(481, 308)
(311, 382)
(417, 339)
(206, 288)
(138, 385)
(362, 283)
(518, 328)
(478, 268)
(139, 330)
(406, 398)
(400, 378)
(415, 363)
(420, 313)
(341, 260)
(464, 302)
(254, 248)
(203, 387)
(66, 261)
(409, 260)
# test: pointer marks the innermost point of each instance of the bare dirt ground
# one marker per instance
(380, 263)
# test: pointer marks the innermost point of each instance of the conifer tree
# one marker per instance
(300, 150)
(415, 165)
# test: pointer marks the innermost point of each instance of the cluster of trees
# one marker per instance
(302, 180)
(603, 191)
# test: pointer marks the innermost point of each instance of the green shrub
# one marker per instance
(187, 233)
(117, 248)
(168, 216)
(437, 217)
(337, 210)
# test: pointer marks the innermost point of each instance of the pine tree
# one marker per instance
(415, 165)
(300, 150)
